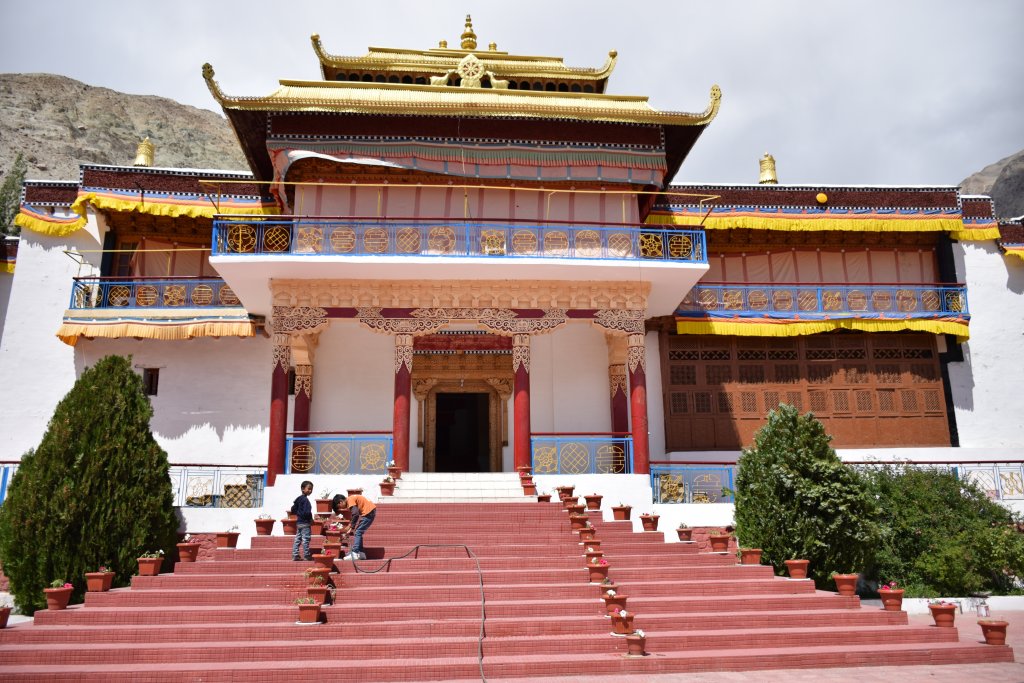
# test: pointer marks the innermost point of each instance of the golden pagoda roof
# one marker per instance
(441, 100)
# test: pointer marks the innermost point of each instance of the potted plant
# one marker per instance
(316, 526)
(613, 601)
(309, 610)
(529, 487)
(149, 563)
(387, 487)
(636, 644)
(607, 585)
(228, 539)
(994, 631)
(325, 559)
(591, 552)
(394, 471)
(543, 497)
(797, 568)
(593, 544)
(289, 524)
(5, 613)
(323, 501)
(750, 555)
(593, 501)
(621, 512)
(355, 492)
(622, 623)
(892, 596)
(598, 568)
(576, 520)
(572, 504)
(564, 491)
(684, 532)
(100, 580)
(319, 590)
(524, 470)
(943, 612)
(587, 533)
(58, 594)
(317, 576)
(846, 584)
(264, 525)
(649, 521)
(188, 550)
(719, 541)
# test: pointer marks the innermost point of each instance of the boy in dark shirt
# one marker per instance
(303, 512)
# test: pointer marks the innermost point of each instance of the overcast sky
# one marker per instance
(865, 92)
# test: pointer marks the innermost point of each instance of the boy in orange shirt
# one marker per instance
(362, 514)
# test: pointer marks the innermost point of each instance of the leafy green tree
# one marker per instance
(10, 195)
(942, 536)
(796, 499)
(95, 491)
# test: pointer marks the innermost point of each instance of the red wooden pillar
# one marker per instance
(403, 386)
(619, 401)
(637, 362)
(278, 407)
(303, 397)
(521, 450)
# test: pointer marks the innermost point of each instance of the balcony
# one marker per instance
(151, 293)
(817, 301)
(338, 452)
(247, 252)
(582, 453)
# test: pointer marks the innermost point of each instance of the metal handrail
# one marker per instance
(151, 293)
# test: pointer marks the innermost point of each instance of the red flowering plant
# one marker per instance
(891, 586)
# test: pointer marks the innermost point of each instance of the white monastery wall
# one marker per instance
(213, 397)
(569, 380)
(353, 380)
(655, 399)
(6, 284)
(987, 384)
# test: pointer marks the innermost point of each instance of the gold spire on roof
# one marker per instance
(144, 153)
(468, 37)
(768, 170)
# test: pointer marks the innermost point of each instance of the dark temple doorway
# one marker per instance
(462, 433)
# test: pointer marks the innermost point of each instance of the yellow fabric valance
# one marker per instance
(45, 224)
(70, 332)
(1014, 250)
(800, 328)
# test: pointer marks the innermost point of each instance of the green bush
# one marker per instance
(796, 499)
(95, 492)
(942, 536)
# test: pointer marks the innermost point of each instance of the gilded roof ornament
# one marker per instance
(144, 153)
(768, 170)
(468, 36)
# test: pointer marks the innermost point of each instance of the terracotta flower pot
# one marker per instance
(150, 566)
(387, 488)
(188, 552)
(530, 489)
(614, 603)
(587, 533)
(622, 625)
(326, 561)
(289, 524)
(355, 492)
(572, 503)
(318, 593)
(544, 498)
(846, 584)
(57, 598)
(593, 554)
(264, 527)
(797, 568)
(719, 542)
(321, 574)
(636, 646)
(316, 527)
(564, 491)
(598, 572)
(394, 472)
(605, 587)
(524, 469)
(944, 615)
(309, 614)
(593, 501)
(750, 555)
(323, 504)
(620, 513)
(685, 534)
(98, 582)
(892, 600)
(227, 539)
(650, 522)
(5, 614)
(332, 548)
(577, 521)
(593, 544)
(994, 631)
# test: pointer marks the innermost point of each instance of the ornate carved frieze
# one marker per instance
(429, 320)
(617, 379)
(293, 319)
(371, 317)
(403, 352)
(282, 351)
(629, 321)
(636, 355)
(502, 386)
(422, 387)
(521, 352)
(304, 380)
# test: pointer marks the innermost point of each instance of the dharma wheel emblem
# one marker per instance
(470, 70)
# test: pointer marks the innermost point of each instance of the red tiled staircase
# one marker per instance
(419, 618)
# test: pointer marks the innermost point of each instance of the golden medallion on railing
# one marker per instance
(408, 240)
(199, 491)
(277, 239)
(680, 246)
(954, 302)
(708, 299)
(228, 297)
(706, 488)
(441, 239)
(242, 238)
(611, 459)
(492, 242)
(930, 300)
(556, 243)
(146, 295)
(575, 458)
(782, 300)
(372, 457)
(545, 460)
(856, 300)
(375, 240)
(524, 242)
(906, 301)
(343, 240)
(309, 239)
(757, 299)
(807, 301)
(881, 300)
(650, 245)
(588, 243)
(671, 488)
(732, 299)
(119, 295)
(831, 300)
(174, 295)
(202, 295)
(334, 458)
(620, 244)
(303, 458)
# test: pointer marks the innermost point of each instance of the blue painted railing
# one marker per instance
(339, 453)
(6, 475)
(581, 454)
(787, 300)
(218, 486)
(143, 292)
(452, 238)
(692, 483)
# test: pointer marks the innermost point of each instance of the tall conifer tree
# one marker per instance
(96, 490)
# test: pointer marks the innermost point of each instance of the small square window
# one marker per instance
(150, 380)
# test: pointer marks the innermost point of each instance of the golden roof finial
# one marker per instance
(144, 153)
(768, 170)
(443, 44)
(468, 37)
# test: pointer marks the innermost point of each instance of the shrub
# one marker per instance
(796, 499)
(96, 490)
(942, 536)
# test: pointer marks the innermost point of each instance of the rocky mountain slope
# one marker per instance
(58, 123)
(1004, 181)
